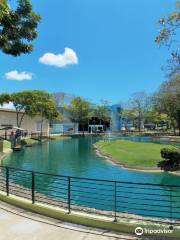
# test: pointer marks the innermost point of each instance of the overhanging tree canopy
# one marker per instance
(18, 28)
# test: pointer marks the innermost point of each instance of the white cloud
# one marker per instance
(60, 60)
(18, 76)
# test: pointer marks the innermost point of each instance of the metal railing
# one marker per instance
(115, 199)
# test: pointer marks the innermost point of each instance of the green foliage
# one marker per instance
(170, 154)
(17, 28)
(168, 36)
(129, 114)
(45, 106)
(172, 159)
(167, 99)
(4, 98)
(136, 109)
(79, 110)
(32, 103)
(153, 116)
(101, 112)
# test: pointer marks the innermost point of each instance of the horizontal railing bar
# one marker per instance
(147, 199)
(100, 189)
(145, 219)
(18, 191)
(109, 200)
(148, 194)
(51, 187)
(146, 204)
(154, 189)
(105, 210)
(29, 198)
(14, 175)
(41, 176)
(144, 209)
(50, 191)
(101, 204)
(101, 194)
(47, 185)
(53, 204)
(2, 181)
(89, 182)
(19, 187)
(93, 179)
(48, 199)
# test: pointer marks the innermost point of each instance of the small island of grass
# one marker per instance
(134, 155)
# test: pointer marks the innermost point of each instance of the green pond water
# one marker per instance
(76, 157)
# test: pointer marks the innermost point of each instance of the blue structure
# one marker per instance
(116, 120)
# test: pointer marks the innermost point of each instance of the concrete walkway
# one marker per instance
(18, 224)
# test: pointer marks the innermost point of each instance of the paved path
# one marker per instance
(18, 224)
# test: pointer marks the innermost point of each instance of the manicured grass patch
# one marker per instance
(132, 154)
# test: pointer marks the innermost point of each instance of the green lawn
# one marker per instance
(132, 154)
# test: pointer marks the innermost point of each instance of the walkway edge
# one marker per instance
(82, 220)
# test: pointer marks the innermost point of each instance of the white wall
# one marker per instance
(29, 124)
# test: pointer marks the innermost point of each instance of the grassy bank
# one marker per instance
(136, 155)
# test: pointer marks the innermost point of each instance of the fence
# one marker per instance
(115, 199)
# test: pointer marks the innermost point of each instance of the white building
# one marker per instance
(32, 125)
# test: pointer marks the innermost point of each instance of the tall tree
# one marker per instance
(23, 103)
(128, 115)
(167, 99)
(18, 28)
(79, 110)
(139, 104)
(101, 111)
(32, 103)
(45, 106)
(155, 117)
(169, 36)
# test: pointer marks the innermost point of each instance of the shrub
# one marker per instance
(171, 159)
(170, 154)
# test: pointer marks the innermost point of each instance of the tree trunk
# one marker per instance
(174, 130)
(41, 134)
(21, 119)
(17, 119)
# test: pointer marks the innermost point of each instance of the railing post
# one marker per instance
(115, 201)
(69, 194)
(7, 181)
(171, 208)
(33, 188)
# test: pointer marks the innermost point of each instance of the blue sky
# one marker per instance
(110, 44)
